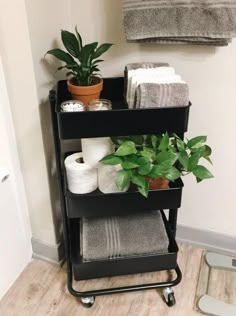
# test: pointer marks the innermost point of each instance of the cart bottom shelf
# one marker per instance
(128, 265)
(100, 269)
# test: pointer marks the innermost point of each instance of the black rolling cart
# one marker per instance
(118, 122)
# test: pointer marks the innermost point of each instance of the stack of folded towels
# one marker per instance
(150, 85)
(202, 22)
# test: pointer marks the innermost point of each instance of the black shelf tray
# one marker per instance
(130, 265)
(120, 121)
(130, 202)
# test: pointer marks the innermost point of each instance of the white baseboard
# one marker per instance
(207, 239)
(47, 252)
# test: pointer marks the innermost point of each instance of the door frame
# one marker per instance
(14, 165)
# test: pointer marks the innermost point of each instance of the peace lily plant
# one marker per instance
(144, 158)
(82, 63)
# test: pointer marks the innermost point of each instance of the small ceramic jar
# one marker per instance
(99, 105)
(72, 106)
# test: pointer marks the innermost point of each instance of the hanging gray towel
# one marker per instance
(206, 22)
(123, 236)
(153, 95)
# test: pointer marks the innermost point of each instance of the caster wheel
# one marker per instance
(169, 297)
(88, 301)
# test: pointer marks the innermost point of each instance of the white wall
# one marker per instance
(211, 75)
(45, 20)
(18, 66)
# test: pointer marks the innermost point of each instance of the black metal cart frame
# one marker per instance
(68, 127)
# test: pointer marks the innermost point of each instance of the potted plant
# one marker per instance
(82, 62)
(150, 162)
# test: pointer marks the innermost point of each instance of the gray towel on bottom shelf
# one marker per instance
(123, 236)
(154, 95)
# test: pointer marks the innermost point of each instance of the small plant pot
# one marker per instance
(86, 93)
(158, 183)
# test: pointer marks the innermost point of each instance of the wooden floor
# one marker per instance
(41, 290)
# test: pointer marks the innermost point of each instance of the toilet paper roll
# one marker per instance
(81, 178)
(106, 179)
(94, 149)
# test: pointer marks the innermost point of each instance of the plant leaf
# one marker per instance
(102, 49)
(141, 183)
(183, 159)
(71, 43)
(167, 157)
(128, 165)
(157, 171)
(202, 173)
(208, 159)
(145, 166)
(180, 144)
(79, 38)
(208, 151)
(126, 148)
(60, 68)
(164, 142)
(196, 142)
(138, 180)
(176, 136)
(144, 190)
(97, 61)
(61, 55)
(111, 160)
(198, 180)
(154, 141)
(172, 174)
(122, 179)
(193, 161)
(131, 162)
(148, 153)
(70, 73)
(86, 53)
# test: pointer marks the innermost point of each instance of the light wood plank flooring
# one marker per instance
(41, 290)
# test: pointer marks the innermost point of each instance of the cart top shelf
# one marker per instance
(120, 121)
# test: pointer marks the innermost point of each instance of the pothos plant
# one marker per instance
(149, 157)
(81, 60)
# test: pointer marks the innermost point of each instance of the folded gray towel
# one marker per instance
(210, 22)
(123, 236)
(141, 65)
(152, 95)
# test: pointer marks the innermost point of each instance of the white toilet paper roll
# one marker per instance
(106, 179)
(81, 178)
(94, 149)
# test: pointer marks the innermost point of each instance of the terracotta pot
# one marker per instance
(86, 93)
(158, 183)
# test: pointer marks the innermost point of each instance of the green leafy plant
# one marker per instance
(143, 158)
(81, 61)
